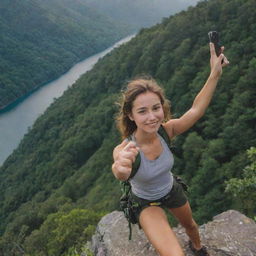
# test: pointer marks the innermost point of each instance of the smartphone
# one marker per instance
(214, 38)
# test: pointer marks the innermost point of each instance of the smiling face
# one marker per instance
(143, 107)
(147, 112)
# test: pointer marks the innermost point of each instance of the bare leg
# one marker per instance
(184, 216)
(158, 231)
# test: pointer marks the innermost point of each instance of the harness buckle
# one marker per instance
(155, 203)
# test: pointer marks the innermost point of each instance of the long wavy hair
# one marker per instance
(133, 89)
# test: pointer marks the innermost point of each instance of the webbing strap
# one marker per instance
(130, 231)
(164, 135)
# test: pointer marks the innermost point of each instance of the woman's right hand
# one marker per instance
(124, 156)
(217, 63)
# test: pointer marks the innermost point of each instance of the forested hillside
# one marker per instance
(139, 13)
(58, 182)
(42, 39)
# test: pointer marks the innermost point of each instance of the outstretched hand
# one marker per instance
(125, 155)
(217, 62)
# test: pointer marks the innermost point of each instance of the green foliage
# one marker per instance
(193, 148)
(72, 252)
(61, 232)
(83, 251)
(244, 189)
(64, 161)
(40, 40)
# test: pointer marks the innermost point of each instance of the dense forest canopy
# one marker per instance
(60, 175)
(40, 40)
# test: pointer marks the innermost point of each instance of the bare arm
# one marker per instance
(202, 100)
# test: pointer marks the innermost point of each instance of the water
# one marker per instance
(15, 122)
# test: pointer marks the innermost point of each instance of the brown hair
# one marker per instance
(133, 89)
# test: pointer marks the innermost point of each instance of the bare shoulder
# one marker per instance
(169, 128)
(180, 125)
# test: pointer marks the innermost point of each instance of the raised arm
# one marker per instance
(202, 100)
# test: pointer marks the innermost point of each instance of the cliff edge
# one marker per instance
(228, 234)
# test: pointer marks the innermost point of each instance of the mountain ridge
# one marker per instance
(43, 39)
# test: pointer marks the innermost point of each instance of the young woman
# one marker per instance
(143, 110)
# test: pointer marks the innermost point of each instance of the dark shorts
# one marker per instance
(174, 199)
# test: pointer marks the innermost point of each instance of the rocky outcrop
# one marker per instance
(228, 234)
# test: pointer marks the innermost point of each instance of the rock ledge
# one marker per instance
(228, 234)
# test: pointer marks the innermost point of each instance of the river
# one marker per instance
(15, 122)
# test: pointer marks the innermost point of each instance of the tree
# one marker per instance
(244, 189)
(62, 231)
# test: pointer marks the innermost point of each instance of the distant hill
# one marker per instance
(41, 39)
(58, 183)
(140, 13)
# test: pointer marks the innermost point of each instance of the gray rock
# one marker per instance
(229, 234)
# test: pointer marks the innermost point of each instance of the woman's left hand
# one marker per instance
(217, 62)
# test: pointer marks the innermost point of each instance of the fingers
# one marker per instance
(223, 59)
(125, 170)
(124, 157)
(128, 152)
(124, 143)
(213, 52)
(130, 145)
(131, 154)
(127, 155)
(212, 49)
(126, 162)
(127, 145)
(121, 172)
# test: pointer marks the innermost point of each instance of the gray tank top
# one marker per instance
(153, 179)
